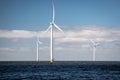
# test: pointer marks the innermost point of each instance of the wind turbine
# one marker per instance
(95, 44)
(38, 42)
(52, 24)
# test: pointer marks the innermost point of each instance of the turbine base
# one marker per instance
(51, 60)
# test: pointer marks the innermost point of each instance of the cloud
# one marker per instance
(73, 45)
(7, 49)
(16, 34)
(78, 34)
(85, 34)
(26, 34)
(10, 50)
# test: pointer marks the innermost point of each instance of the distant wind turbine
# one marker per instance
(52, 24)
(38, 42)
(95, 44)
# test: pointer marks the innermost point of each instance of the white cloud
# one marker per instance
(10, 50)
(77, 45)
(17, 34)
(7, 49)
(79, 34)
(96, 33)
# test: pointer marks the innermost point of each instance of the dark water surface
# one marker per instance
(60, 70)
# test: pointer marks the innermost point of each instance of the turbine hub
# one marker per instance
(51, 23)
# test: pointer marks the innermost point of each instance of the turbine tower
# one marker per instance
(38, 42)
(52, 24)
(95, 44)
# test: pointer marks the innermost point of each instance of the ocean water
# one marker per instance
(60, 70)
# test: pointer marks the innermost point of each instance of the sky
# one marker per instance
(21, 21)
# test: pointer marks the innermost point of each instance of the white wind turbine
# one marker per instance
(52, 24)
(95, 44)
(38, 42)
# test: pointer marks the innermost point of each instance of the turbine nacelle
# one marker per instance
(95, 44)
(52, 23)
(38, 41)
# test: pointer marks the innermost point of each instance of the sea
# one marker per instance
(60, 70)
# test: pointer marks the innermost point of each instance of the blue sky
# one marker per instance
(81, 20)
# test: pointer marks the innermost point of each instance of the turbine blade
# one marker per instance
(53, 16)
(93, 42)
(39, 42)
(48, 28)
(97, 44)
(58, 28)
